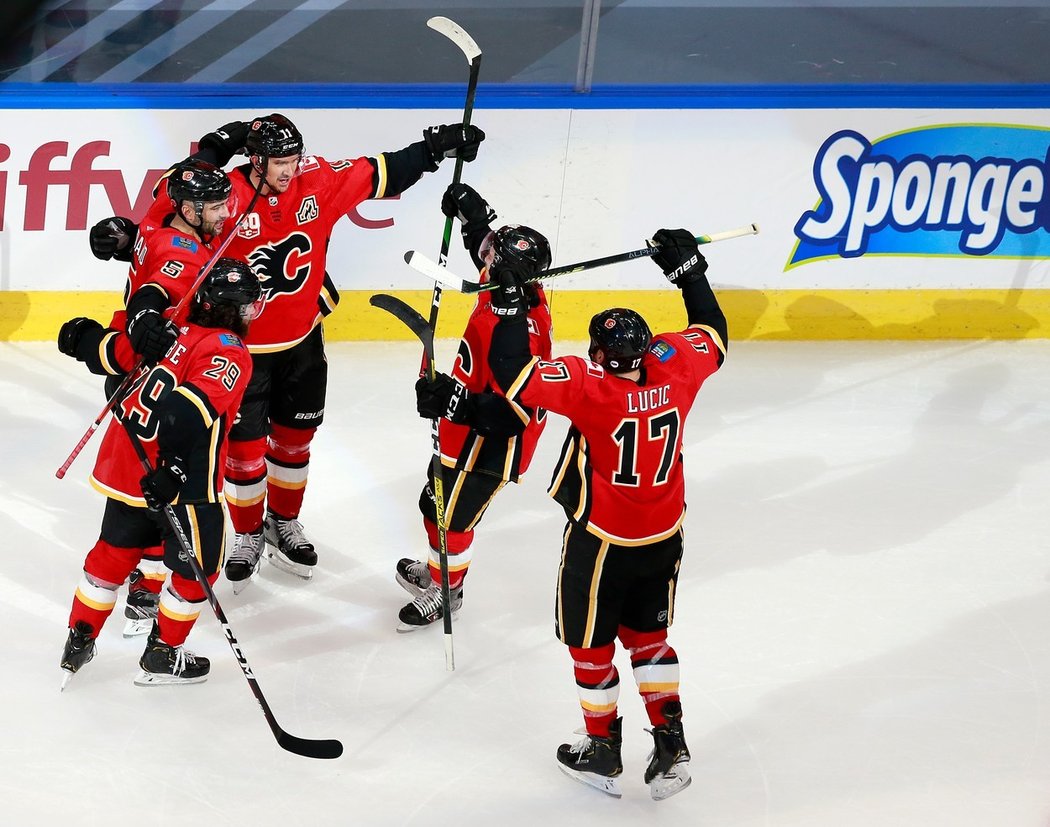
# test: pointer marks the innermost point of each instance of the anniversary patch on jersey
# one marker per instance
(308, 210)
(184, 243)
(230, 339)
(662, 351)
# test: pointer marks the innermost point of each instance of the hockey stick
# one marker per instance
(140, 368)
(425, 333)
(470, 50)
(419, 262)
(307, 747)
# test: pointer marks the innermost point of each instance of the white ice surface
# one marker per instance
(863, 616)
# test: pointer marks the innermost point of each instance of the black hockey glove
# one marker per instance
(453, 141)
(443, 398)
(679, 257)
(463, 202)
(226, 141)
(113, 238)
(162, 485)
(509, 298)
(151, 335)
(73, 331)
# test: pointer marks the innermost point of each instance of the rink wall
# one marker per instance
(904, 214)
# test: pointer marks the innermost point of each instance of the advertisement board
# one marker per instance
(885, 212)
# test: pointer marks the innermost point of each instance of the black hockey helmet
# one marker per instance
(198, 182)
(230, 283)
(621, 337)
(273, 136)
(518, 243)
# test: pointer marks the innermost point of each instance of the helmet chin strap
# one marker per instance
(262, 169)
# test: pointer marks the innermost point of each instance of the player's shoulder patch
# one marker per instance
(309, 163)
(184, 243)
(231, 339)
(662, 350)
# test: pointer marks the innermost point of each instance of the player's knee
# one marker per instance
(634, 640)
(292, 443)
(456, 542)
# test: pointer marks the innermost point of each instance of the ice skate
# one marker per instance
(413, 576)
(426, 608)
(668, 770)
(594, 760)
(141, 608)
(289, 549)
(170, 665)
(244, 558)
(79, 649)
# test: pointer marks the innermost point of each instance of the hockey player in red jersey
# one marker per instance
(165, 259)
(485, 441)
(285, 238)
(620, 481)
(181, 411)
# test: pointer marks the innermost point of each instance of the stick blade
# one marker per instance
(454, 32)
(325, 749)
(432, 270)
(408, 315)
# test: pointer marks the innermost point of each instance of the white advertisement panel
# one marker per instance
(846, 199)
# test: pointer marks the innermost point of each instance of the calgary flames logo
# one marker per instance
(282, 266)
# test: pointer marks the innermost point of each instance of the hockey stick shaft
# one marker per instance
(645, 252)
(427, 267)
(470, 50)
(308, 748)
(137, 371)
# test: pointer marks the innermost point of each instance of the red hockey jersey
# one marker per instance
(285, 240)
(620, 470)
(210, 367)
(462, 447)
(163, 256)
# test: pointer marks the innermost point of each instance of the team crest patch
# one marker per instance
(184, 243)
(230, 339)
(662, 351)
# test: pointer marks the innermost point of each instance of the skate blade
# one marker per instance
(67, 676)
(674, 781)
(609, 786)
(284, 564)
(240, 585)
(149, 679)
(135, 628)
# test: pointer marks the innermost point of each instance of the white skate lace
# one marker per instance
(180, 661)
(247, 550)
(429, 601)
(419, 573)
(291, 532)
(581, 746)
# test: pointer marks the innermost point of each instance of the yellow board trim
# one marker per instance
(753, 314)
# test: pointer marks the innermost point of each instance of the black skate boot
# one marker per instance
(79, 649)
(426, 608)
(166, 665)
(668, 770)
(289, 548)
(141, 608)
(244, 558)
(413, 575)
(595, 760)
